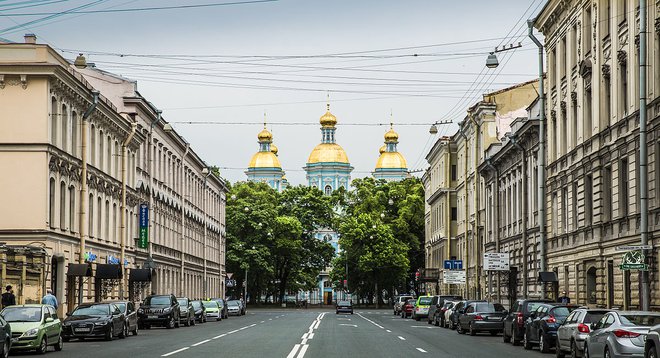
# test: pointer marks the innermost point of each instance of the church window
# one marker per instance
(328, 190)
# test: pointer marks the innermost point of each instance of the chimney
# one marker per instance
(30, 38)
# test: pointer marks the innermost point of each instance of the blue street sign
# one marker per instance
(453, 264)
(143, 243)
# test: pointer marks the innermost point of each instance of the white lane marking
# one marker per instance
(199, 343)
(349, 325)
(262, 322)
(293, 351)
(220, 336)
(421, 350)
(270, 319)
(175, 352)
(311, 326)
(401, 338)
(302, 351)
(234, 331)
(343, 319)
(428, 327)
(316, 326)
(372, 322)
(311, 336)
(388, 331)
(252, 325)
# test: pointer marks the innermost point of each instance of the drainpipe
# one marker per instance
(466, 251)
(122, 256)
(496, 210)
(477, 190)
(541, 157)
(82, 220)
(183, 220)
(643, 158)
(515, 143)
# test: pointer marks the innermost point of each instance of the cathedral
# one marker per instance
(328, 169)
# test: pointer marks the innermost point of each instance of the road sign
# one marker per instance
(453, 264)
(633, 260)
(453, 277)
(634, 247)
(229, 275)
(143, 242)
(496, 261)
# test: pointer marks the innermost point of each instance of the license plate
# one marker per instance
(152, 317)
(81, 329)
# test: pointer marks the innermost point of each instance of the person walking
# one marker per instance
(49, 299)
(8, 298)
(564, 298)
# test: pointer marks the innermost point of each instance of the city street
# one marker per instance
(301, 333)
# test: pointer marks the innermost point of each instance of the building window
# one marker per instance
(454, 214)
(53, 120)
(623, 5)
(623, 187)
(74, 133)
(62, 205)
(72, 208)
(328, 190)
(564, 210)
(555, 227)
(65, 126)
(623, 96)
(586, 29)
(574, 206)
(588, 199)
(607, 193)
(99, 217)
(564, 124)
(453, 172)
(607, 103)
(607, 19)
(107, 220)
(51, 203)
(587, 114)
(564, 58)
(101, 151)
(90, 217)
(92, 145)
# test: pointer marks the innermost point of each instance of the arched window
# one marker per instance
(90, 216)
(65, 127)
(116, 233)
(117, 157)
(92, 145)
(591, 285)
(53, 121)
(328, 190)
(72, 208)
(101, 151)
(74, 133)
(62, 205)
(51, 203)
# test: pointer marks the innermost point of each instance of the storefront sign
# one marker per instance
(143, 241)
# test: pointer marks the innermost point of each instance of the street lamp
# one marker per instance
(492, 62)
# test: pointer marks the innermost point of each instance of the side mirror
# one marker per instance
(68, 314)
(593, 326)
(49, 319)
(505, 312)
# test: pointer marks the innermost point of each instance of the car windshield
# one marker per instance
(449, 305)
(210, 304)
(425, 300)
(157, 301)
(219, 302)
(182, 301)
(22, 314)
(562, 311)
(488, 307)
(196, 304)
(640, 320)
(532, 306)
(232, 303)
(343, 303)
(405, 298)
(121, 306)
(593, 317)
(94, 310)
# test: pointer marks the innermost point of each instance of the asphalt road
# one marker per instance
(300, 333)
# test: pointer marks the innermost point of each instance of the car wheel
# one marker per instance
(170, 323)
(514, 337)
(43, 345)
(574, 350)
(417, 318)
(505, 338)
(472, 331)
(459, 328)
(5, 349)
(66, 339)
(146, 326)
(60, 344)
(607, 353)
(108, 334)
(526, 343)
(124, 331)
(543, 345)
(558, 352)
(653, 353)
(135, 331)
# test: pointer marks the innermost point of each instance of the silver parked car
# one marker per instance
(620, 334)
(652, 343)
(572, 333)
(399, 301)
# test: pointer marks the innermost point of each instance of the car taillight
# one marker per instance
(443, 309)
(625, 334)
(478, 318)
(551, 319)
(519, 319)
(583, 328)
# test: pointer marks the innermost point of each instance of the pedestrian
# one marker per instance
(49, 299)
(8, 298)
(564, 298)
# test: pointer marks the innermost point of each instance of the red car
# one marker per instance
(407, 308)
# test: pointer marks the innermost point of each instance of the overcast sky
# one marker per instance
(421, 61)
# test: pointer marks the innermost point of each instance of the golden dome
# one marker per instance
(273, 148)
(264, 160)
(265, 135)
(328, 152)
(391, 136)
(382, 149)
(328, 119)
(391, 160)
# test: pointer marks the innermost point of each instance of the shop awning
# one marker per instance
(108, 271)
(140, 275)
(79, 270)
(549, 276)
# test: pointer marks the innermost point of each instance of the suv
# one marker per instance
(186, 311)
(399, 301)
(652, 345)
(159, 310)
(514, 323)
(571, 334)
(436, 314)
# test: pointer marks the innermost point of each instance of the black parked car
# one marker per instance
(482, 316)
(186, 311)
(541, 326)
(459, 310)
(344, 307)
(514, 323)
(159, 310)
(90, 320)
(200, 311)
(436, 312)
(129, 311)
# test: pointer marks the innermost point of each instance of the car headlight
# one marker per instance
(140, 310)
(167, 310)
(31, 332)
(101, 323)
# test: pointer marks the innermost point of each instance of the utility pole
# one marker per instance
(643, 159)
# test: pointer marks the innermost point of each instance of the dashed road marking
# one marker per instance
(388, 331)
(401, 338)
(421, 350)
(202, 342)
(175, 352)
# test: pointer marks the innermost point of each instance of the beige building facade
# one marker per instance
(80, 172)
(593, 140)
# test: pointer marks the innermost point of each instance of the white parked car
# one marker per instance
(448, 312)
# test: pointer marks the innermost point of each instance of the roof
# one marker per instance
(328, 153)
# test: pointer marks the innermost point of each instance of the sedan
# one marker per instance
(129, 311)
(233, 308)
(620, 334)
(34, 327)
(212, 310)
(186, 312)
(222, 303)
(575, 329)
(344, 307)
(407, 308)
(200, 311)
(482, 316)
(541, 326)
(90, 320)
